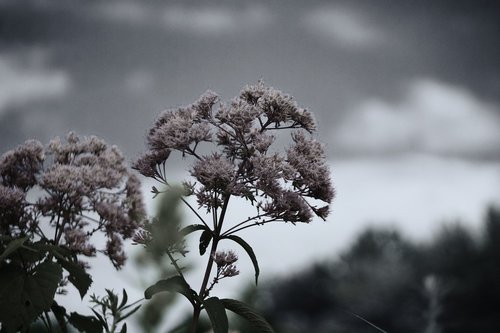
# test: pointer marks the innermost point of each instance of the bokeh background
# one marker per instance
(406, 95)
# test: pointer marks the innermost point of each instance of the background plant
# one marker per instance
(54, 201)
(241, 160)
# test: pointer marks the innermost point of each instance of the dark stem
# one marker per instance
(253, 225)
(196, 316)
(203, 288)
(230, 230)
(174, 263)
(194, 211)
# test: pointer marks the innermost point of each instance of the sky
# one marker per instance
(405, 93)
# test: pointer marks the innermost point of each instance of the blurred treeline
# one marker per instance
(385, 282)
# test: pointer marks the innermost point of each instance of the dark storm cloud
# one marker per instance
(127, 60)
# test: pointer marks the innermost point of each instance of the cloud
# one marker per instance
(343, 27)
(212, 20)
(25, 80)
(139, 81)
(196, 20)
(129, 12)
(431, 117)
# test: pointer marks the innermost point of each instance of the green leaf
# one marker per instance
(217, 314)
(124, 328)
(24, 296)
(249, 251)
(175, 284)
(87, 324)
(248, 313)
(192, 228)
(77, 275)
(205, 238)
(12, 247)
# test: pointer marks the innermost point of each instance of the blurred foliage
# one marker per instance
(385, 282)
(154, 265)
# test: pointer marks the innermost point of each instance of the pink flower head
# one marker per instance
(79, 187)
(245, 160)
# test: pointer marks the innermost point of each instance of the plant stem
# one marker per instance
(215, 241)
(196, 316)
(174, 263)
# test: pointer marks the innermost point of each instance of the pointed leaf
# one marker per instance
(217, 314)
(101, 319)
(11, 247)
(77, 275)
(124, 328)
(87, 324)
(124, 299)
(192, 228)
(113, 300)
(248, 313)
(129, 313)
(205, 238)
(175, 284)
(249, 251)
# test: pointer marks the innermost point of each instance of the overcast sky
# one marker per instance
(381, 76)
(406, 93)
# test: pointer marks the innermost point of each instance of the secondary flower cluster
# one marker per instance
(225, 264)
(292, 186)
(66, 192)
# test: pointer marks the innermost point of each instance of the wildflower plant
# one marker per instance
(54, 201)
(234, 153)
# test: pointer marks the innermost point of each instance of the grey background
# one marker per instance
(406, 95)
(108, 68)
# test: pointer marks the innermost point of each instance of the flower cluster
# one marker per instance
(225, 264)
(68, 191)
(292, 186)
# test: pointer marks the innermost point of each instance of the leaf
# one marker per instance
(59, 312)
(113, 300)
(87, 324)
(249, 251)
(11, 247)
(175, 284)
(24, 296)
(217, 314)
(205, 238)
(101, 319)
(129, 313)
(124, 328)
(248, 313)
(77, 275)
(124, 299)
(192, 228)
